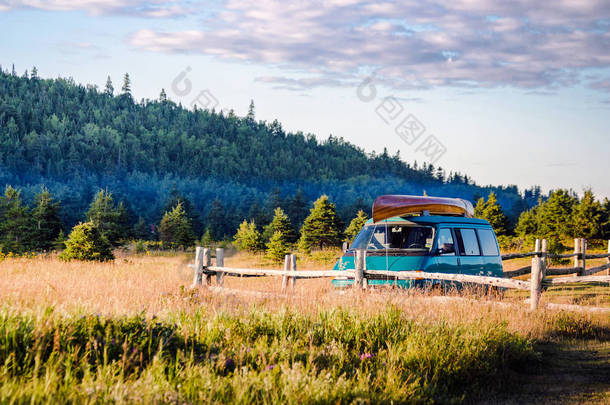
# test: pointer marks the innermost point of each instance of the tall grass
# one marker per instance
(332, 356)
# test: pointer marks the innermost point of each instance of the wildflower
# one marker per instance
(365, 356)
(270, 367)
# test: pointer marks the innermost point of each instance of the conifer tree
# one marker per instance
(280, 223)
(107, 217)
(555, 215)
(46, 221)
(277, 248)
(322, 227)
(86, 242)
(15, 222)
(587, 217)
(176, 228)
(126, 89)
(216, 219)
(248, 238)
(109, 89)
(491, 211)
(163, 96)
(528, 223)
(355, 226)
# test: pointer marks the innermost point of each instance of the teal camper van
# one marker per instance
(429, 234)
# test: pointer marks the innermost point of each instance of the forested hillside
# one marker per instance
(76, 139)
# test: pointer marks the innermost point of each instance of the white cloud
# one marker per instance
(139, 8)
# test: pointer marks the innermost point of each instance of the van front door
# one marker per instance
(446, 257)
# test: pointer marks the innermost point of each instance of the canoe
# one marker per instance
(387, 206)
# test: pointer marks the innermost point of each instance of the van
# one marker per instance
(424, 242)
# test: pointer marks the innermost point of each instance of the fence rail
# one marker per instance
(538, 270)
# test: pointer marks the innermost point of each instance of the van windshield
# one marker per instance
(394, 236)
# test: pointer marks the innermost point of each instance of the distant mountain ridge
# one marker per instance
(76, 139)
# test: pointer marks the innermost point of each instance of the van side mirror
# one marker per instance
(446, 248)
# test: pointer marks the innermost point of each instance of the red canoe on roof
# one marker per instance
(387, 206)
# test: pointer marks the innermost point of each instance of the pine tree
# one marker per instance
(109, 89)
(528, 223)
(15, 222)
(296, 208)
(491, 211)
(34, 73)
(192, 213)
(47, 224)
(86, 242)
(248, 238)
(216, 219)
(176, 228)
(355, 226)
(587, 216)
(277, 248)
(107, 217)
(555, 215)
(322, 227)
(126, 89)
(250, 117)
(605, 219)
(280, 223)
(163, 96)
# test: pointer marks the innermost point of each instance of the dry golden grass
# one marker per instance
(157, 285)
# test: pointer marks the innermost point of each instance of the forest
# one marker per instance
(70, 141)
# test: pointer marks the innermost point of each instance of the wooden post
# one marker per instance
(608, 259)
(535, 281)
(198, 270)
(544, 259)
(359, 269)
(286, 268)
(293, 265)
(576, 251)
(220, 262)
(583, 250)
(207, 262)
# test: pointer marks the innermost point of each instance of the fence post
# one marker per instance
(286, 268)
(293, 265)
(198, 270)
(544, 259)
(359, 269)
(583, 250)
(535, 281)
(608, 259)
(220, 262)
(576, 253)
(207, 262)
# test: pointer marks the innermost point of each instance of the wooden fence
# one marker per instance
(539, 270)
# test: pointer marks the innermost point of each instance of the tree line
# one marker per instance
(76, 139)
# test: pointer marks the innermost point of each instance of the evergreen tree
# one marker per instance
(277, 248)
(528, 223)
(107, 217)
(250, 117)
(248, 238)
(176, 228)
(206, 239)
(216, 220)
(491, 211)
(163, 96)
(86, 242)
(34, 75)
(296, 208)
(355, 226)
(109, 89)
(126, 89)
(280, 223)
(141, 230)
(15, 222)
(46, 221)
(586, 217)
(322, 228)
(192, 213)
(555, 215)
(605, 219)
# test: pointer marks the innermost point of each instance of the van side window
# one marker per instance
(467, 242)
(445, 239)
(488, 242)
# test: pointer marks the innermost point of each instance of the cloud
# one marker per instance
(135, 8)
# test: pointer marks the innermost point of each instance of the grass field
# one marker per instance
(133, 331)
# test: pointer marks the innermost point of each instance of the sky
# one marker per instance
(506, 92)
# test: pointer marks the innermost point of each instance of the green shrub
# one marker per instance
(87, 243)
